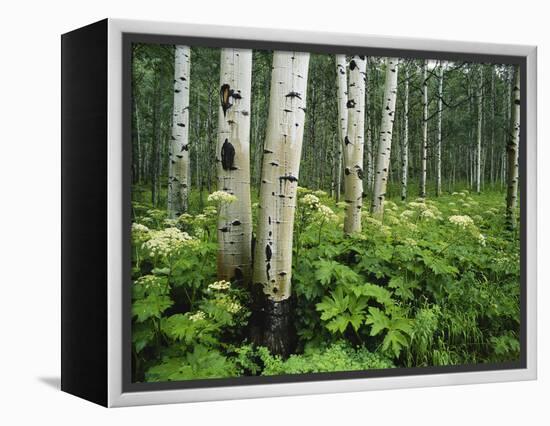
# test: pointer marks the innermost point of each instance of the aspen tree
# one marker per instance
(353, 145)
(424, 146)
(439, 124)
(405, 146)
(479, 129)
(342, 96)
(233, 165)
(513, 153)
(384, 144)
(278, 188)
(178, 157)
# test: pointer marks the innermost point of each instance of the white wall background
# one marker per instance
(29, 210)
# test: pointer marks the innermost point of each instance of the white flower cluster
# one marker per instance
(302, 190)
(167, 242)
(410, 242)
(140, 233)
(197, 316)
(390, 205)
(148, 282)
(221, 197)
(229, 304)
(311, 201)
(185, 218)
(461, 221)
(325, 214)
(482, 240)
(417, 205)
(391, 220)
(427, 214)
(220, 285)
(407, 214)
(320, 193)
(170, 222)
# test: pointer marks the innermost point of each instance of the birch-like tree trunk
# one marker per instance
(439, 124)
(386, 130)
(479, 129)
(178, 163)
(233, 166)
(368, 128)
(279, 182)
(513, 153)
(354, 144)
(342, 95)
(424, 147)
(405, 146)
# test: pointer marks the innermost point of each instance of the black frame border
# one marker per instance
(130, 38)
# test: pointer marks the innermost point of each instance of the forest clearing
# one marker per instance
(307, 213)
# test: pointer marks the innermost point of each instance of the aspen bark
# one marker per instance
(405, 147)
(513, 153)
(386, 130)
(439, 124)
(233, 165)
(424, 147)
(156, 142)
(178, 162)
(368, 136)
(479, 129)
(279, 182)
(342, 96)
(354, 144)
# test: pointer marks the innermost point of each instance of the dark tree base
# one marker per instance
(279, 334)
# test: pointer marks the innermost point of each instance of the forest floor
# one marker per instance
(436, 282)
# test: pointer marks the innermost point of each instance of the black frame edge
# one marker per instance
(84, 212)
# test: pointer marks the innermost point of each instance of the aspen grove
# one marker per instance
(298, 212)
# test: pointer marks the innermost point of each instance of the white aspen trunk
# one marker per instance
(368, 136)
(424, 147)
(233, 165)
(342, 96)
(492, 154)
(178, 157)
(513, 153)
(405, 147)
(479, 130)
(439, 124)
(279, 182)
(354, 144)
(386, 130)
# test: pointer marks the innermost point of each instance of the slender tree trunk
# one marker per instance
(405, 146)
(281, 165)
(424, 147)
(233, 160)
(178, 157)
(439, 124)
(479, 129)
(492, 154)
(353, 145)
(513, 154)
(155, 148)
(342, 95)
(368, 128)
(386, 129)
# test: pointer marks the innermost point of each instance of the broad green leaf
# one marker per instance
(378, 321)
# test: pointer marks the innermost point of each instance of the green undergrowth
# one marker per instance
(434, 282)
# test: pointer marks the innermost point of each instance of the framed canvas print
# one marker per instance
(252, 212)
